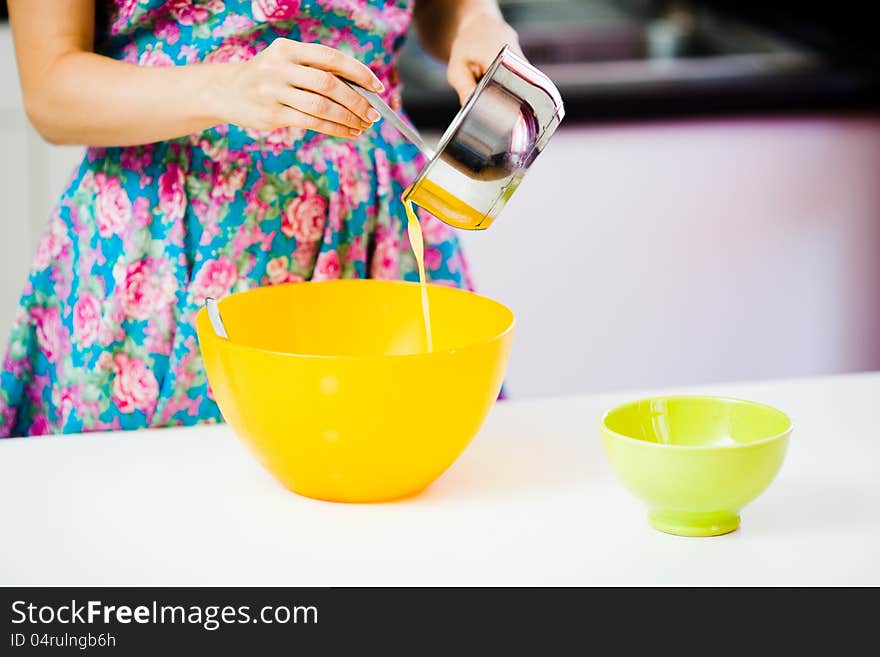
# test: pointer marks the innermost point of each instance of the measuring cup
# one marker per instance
(488, 147)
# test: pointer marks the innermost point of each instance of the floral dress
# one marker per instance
(104, 335)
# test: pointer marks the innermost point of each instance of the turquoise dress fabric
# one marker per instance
(104, 335)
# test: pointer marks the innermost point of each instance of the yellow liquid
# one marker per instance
(455, 211)
(414, 229)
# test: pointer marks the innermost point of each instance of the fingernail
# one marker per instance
(372, 114)
(353, 132)
(365, 125)
(378, 86)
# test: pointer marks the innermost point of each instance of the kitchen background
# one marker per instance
(709, 210)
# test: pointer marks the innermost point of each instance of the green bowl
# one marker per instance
(695, 461)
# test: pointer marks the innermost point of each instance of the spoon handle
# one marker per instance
(214, 316)
(394, 118)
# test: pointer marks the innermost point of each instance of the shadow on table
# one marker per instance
(815, 507)
(520, 464)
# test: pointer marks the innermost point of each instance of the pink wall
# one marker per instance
(688, 252)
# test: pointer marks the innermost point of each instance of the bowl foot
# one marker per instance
(682, 523)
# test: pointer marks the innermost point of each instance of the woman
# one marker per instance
(224, 153)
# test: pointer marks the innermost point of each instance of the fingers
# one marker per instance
(322, 107)
(299, 84)
(515, 47)
(290, 116)
(462, 79)
(328, 85)
(329, 59)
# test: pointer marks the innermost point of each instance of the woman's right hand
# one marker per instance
(293, 84)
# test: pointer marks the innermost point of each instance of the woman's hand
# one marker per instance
(293, 84)
(476, 43)
(467, 34)
(76, 96)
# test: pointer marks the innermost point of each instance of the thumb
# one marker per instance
(462, 79)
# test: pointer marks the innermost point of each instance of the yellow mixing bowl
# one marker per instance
(329, 384)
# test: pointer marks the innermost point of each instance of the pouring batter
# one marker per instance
(224, 153)
(417, 241)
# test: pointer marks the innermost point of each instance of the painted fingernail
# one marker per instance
(372, 114)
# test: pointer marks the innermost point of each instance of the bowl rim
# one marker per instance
(229, 343)
(723, 398)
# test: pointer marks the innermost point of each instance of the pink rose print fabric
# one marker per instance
(104, 337)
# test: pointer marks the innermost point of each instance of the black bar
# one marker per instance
(418, 621)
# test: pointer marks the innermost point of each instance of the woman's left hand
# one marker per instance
(479, 38)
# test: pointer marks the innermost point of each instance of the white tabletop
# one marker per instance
(531, 501)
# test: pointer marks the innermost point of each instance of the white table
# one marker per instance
(532, 501)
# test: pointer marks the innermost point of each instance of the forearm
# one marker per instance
(86, 98)
(438, 21)
(75, 96)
